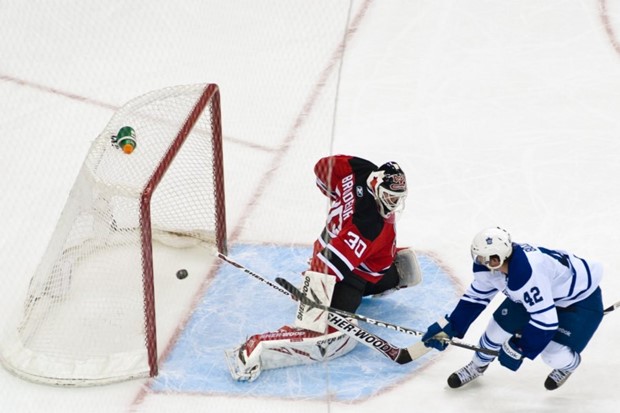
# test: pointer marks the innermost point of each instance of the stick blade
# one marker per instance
(417, 350)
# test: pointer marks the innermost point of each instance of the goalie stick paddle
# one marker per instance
(396, 354)
(299, 295)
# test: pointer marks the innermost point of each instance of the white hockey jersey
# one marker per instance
(539, 278)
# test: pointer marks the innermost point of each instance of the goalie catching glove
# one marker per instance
(408, 268)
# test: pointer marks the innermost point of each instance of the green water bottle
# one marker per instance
(126, 139)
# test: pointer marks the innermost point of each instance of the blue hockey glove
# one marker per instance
(510, 356)
(438, 334)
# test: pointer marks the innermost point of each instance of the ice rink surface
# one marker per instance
(501, 113)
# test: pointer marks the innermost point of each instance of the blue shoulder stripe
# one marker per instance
(519, 268)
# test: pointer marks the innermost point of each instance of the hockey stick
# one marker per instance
(305, 300)
(605, 312)
(611, 308)
(252, 273)
(396, 354)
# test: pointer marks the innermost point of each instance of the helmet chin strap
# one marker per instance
(496, 268)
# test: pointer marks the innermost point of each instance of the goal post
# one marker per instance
(89, 313)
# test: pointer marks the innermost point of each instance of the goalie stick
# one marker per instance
(340, 323)
(299, 295)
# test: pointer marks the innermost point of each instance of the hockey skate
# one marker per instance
(559, 376)
(465, 375)
(241, 369)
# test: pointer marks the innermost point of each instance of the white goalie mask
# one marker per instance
(491, 242)
(389, 186)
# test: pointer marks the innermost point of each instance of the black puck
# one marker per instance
(181, 274)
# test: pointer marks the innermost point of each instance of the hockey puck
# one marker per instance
(181, 274)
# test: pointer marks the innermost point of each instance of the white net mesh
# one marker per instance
(86, 315)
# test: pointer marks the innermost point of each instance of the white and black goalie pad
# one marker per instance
(408, 268)
(319, 288)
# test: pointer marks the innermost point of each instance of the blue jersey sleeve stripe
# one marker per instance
(544, 310)
(478, 300)
(491, 291)
(544, 326)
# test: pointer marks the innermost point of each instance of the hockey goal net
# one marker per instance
(89, 312)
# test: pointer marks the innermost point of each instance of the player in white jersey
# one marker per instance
(553, 307)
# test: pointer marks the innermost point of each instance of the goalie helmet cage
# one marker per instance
(89, 312)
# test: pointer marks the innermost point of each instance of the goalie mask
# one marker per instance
(491, 242)
(389, 186)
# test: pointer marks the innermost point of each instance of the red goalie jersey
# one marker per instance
(357, 238)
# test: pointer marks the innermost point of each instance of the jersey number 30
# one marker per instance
(355, 243)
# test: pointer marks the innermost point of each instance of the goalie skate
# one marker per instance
(240, 369)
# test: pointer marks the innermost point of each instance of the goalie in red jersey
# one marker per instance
(358, 243)
(355, 256)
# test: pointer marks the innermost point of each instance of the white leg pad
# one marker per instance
(318, 287)
(286, 347)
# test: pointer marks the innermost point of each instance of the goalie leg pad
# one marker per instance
(286, 347)
(318, 287)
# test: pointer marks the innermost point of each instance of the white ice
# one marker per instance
(501, 113)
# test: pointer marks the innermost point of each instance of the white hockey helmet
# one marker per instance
(491, 242)
(389, 186)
